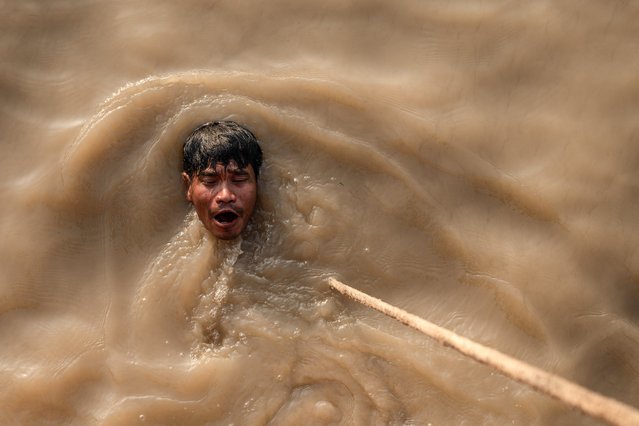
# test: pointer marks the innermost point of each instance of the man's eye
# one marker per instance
(240, 178)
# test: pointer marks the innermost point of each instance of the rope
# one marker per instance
(585, 400)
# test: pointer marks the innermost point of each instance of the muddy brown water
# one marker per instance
(474, 163)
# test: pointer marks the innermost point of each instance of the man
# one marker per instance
(221, 166)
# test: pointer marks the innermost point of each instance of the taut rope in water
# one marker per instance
(587, 401)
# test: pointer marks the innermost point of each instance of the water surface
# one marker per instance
(474, 163)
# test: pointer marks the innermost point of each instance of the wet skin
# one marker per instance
(224, 198)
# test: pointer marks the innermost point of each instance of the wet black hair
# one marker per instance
(221, 142)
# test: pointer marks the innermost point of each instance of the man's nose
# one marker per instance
(225, 194)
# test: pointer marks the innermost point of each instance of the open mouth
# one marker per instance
(226, 216)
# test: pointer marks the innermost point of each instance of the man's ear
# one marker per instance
(186, 179)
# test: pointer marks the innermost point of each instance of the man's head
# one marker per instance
(221, 165)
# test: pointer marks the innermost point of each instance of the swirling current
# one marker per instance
(474, 163)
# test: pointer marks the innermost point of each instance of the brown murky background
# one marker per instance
(475, 163)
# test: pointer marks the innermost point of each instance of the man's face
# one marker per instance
(224, 198)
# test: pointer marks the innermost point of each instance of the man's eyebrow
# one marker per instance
(239, 171)
(233, 170)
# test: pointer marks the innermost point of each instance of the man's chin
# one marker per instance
(226, 237)
(225, 233)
